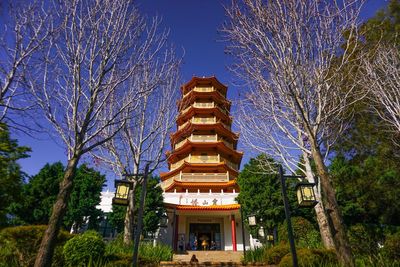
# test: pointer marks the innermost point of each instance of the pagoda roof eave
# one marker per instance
(205, 80)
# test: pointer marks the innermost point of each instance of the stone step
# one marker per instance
(210, 264)
(210, 256)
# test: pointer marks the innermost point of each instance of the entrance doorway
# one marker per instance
(205, 236)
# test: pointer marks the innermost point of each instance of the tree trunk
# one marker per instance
(46, 250)
(322, 219)
(324, 230)
(335, 221)
(129, 217)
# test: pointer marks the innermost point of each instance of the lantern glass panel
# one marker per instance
(308, 193)
(305, 195)
(252, 220)
(164, 220)
(261, 231)
(122, 191)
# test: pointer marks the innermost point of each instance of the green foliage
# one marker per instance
(41, 192)
(366, 187)
(363, 239)
(365, 169)
(85, 196)
(260, 193)
(305, 233)
(11, 176)
(19, 245)
(311, 258)
(391, 247)
(275, 254)
(79, 250)
(119, 254)
(152, 211)
(254, 255)
(150, 254)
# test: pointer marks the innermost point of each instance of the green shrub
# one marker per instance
(274, 254)
(120, 255)
(311, 258)
(391, 247)
(19, 245)
(154, 254)
(363, 240)
(254, 255)
(83, 248)
(305, 233)
(379, 260)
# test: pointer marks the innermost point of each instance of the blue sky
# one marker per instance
(193, 30)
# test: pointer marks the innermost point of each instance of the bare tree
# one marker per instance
(381, 78)
(293, 55)
(81, 84)
(22, 35)
(144, 137)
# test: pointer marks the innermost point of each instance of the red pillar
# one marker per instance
(176, 232)
(233, 224)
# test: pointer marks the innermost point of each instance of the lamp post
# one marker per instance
(243, 235)
(121, 196)
(305, 197)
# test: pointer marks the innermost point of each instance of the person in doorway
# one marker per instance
(195, 244)
(213, 245)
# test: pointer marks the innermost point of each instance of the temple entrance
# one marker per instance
(204, 236)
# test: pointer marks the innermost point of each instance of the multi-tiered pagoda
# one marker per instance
(200, 187)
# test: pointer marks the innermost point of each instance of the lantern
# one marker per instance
(122, 188)
(261, 232)
(252, 220)
(164, 220)
(270, 237)
(305, 194)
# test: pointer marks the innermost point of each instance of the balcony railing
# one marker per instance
(203, 89)
(204, 159)
(204, 177)
(203, 138)
(203, 104)
(198, 138)
(204, 120)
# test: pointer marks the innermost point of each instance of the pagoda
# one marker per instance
(200, 187)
